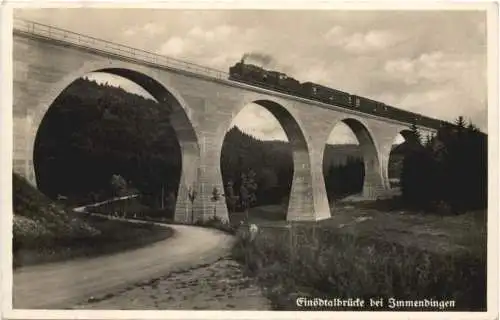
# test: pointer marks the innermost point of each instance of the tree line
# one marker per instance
(447, 172)
(345, 179)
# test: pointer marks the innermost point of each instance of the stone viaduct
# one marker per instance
(46, 60)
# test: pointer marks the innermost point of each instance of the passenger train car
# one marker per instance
(278, 81)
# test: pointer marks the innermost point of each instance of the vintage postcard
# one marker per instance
(249, 161)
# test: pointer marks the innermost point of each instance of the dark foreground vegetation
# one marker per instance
(322, 261)
(47, 232)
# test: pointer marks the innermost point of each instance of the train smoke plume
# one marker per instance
(260, 58)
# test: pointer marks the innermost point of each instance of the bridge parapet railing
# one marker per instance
(51, 32)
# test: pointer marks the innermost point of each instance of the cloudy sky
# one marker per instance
(430, 62)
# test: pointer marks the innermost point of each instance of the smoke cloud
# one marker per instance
(267, 62)
(258, 58)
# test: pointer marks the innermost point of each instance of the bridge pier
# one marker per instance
(374, 185)
(24, 140)
(375, 182)
(379, 177)
(210, 178)
(188, 181)
(308, 199)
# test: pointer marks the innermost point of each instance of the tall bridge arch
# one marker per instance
(163, 94)
(300, 197)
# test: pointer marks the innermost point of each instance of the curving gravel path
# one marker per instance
(63, 284)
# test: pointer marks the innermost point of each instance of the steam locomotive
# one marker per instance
(278, 81)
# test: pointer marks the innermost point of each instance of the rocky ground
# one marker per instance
(217, 286)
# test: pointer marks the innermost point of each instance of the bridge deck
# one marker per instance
(164, 62)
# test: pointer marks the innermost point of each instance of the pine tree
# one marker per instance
(460, 122)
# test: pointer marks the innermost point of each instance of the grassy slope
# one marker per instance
(46, 232)
(365, 252)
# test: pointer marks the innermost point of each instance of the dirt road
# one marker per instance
(64, 284)
(221, 285)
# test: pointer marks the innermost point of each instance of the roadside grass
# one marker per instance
(46, 232)
(366, 253)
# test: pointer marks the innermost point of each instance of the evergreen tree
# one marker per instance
(247, 191)
(460, 123)
(450, 169)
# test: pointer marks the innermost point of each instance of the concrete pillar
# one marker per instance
(210, 177)
(189, 180)
(300, 203)
(374, 185)
(384, 155)
(23, 143)
(308, 199)
(202, 164)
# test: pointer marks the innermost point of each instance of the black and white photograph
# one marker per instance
(312, 159)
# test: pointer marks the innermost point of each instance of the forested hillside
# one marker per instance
(93, 131)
